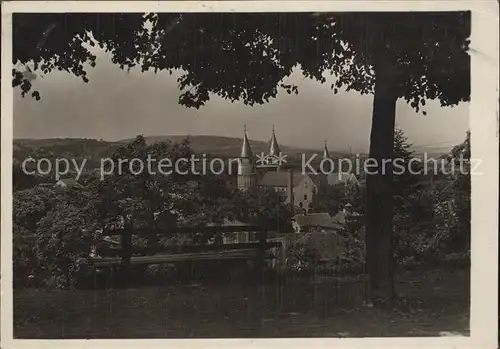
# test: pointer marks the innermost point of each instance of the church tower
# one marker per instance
(326, 153)
(274, 154)
(246, 169)
(274, 148)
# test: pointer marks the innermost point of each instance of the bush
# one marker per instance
(330, 252)
(25, 262)
(300, 256)
(50, 243)
(353, 256)
(62, 246)
(163, 271)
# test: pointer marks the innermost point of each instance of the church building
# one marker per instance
(297, 188)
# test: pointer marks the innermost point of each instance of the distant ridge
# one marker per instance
(219, 146)
(432, 152)
(207, 144)
(230, 146)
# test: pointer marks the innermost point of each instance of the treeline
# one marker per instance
(432, 215)
(54, 229)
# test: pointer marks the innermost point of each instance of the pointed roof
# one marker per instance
(68, 183)
(342, 178)
(280, 179)
(322, 221)
(246, 150)
(326, 154)
(274, 149)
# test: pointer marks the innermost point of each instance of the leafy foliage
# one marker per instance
(262, 207)
(63, 241)
(300, 255)
(406, 171)
(54, 229)
(334, 252)
(330, 199)
(29, 206)
(411, 211)
(48, 236)
(55, 41)
(434, 220)
(246, 56)
(131, 194)
(20, 179)
(461, 191)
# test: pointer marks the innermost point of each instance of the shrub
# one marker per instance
(164, 271)
(62, 246)
(25, 262)
(353, 256)
(300, 256)
(332, 252)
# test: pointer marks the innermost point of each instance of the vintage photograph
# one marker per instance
(241, 174)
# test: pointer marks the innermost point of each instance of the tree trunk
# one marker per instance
(379, 200)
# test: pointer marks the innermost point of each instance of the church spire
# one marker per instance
(274, 149)
(246, 150)
(326, 153)
(246, 170)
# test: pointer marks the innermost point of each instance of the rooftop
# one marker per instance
(324, 220)
(340, 178)
(280, 178)
(68, 182)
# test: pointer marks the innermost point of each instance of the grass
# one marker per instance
(438, 305)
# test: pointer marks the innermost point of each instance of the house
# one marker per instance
(227, 238)
(67, 183)
(236, 237)
(348, 212)
(342, 178)
(322, 222)
(341, 217)
(319, 231)
(298, 189)
(46, 185)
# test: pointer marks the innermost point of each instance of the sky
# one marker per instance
(116, 104)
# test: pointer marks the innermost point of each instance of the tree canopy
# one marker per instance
(246, 56)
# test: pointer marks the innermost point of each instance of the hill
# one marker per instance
(431, 152)
(229, 146)
(70, 148)
(94, 149)
(215, 146)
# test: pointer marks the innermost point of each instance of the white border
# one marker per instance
(484, 143)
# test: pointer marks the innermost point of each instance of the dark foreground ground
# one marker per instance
(438, 305)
